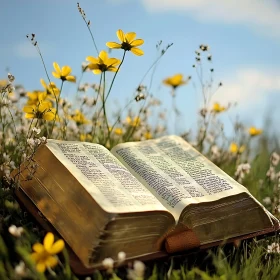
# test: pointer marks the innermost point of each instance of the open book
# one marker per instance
(141, 198)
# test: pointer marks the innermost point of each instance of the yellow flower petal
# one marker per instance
(71, 79)
(57, 68)
(65, 71)
(29, 116)
(112, 69)
(137, 51)
(92, 59)
(35, 256)
(48, 241)
(57, 247)
(38, 247)
(112, 61)
(43, 83)
(49, 116)
(97, 71)
(137, 43)
(130, 36)
(56, 75)
(93, 66)
(120, 35)
(103, 56)
(28, 109)
(41, 266)
(51, 261)
(113, 45)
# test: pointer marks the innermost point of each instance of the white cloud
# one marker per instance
(248, 87)
(262, 16)
(26, 50)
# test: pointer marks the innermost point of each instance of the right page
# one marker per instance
(176, 173)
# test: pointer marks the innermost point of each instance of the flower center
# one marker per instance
(103, 67)
(126, 46)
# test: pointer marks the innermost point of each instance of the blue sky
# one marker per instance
(244, 37)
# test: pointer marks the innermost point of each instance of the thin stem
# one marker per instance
(98, 94)
(115, 76)
(56, 106)
(104, 105)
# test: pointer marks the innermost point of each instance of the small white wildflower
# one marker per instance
(36, 130)
(10, 88)
(271, 173)
(121, 256)
(139, 268)
(37, 142)
(108, 263)
(273, 248)
(275, 158)
(20, 269)
(43, 139)
(241, 170)
(16, 231)
(267, 200)
(11, 78)
(12, 164)
(31, 142)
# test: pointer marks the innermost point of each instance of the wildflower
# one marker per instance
(135, 122)
(11, 78)
(267, 200)
(273, 248)
(16, 231)
(118, 131)
(43, 111)
(217, 108)
(121, 256)
(254, 131)
(51, 89)
(44, 254)
(36, 130)
(271, 173)
(241, 171)
(176, 81)
(275, 158)
(79, 118)
(128, 43)
(148, 135)
(108, 263)
(137, 272)
(234, 149)
(63, 73)
(20, 269)
(103, 63)
(36, 97)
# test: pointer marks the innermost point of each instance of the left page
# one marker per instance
(110, 184)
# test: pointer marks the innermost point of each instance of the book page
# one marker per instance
(175, 172)
(111, 185)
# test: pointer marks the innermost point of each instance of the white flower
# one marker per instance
(121, 256)
(275, 158)
(137, 272)
(16, 231)
(108, 263)
(20, 269)
(271, 173)
(267, 200)
(31, 142)
(11, 78)
(273, 248)
(36, 130)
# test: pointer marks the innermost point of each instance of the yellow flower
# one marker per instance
(44, 255)
(135, 122)
(118, 131)
(175, 81)
(36, 97)
(85, 137)
(148, 135)
(254, 131)
(217, 108)
(43, 110)
(79, 118)
(63, 73)
(234, 149)
(51, 89)
(103, 63)
(128, 43)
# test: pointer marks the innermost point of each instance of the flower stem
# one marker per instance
(104, 107)
(115, 76)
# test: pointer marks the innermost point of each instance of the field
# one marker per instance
(29, 118)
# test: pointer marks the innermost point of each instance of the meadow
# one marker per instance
(29, 118)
